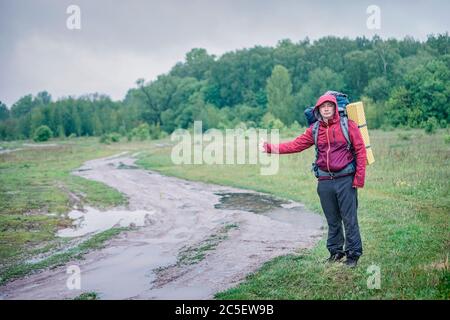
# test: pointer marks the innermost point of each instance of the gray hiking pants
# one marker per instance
(340, 203)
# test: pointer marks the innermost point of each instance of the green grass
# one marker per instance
(403, 213)
(95, 242)
(88, 296)
(195, 254)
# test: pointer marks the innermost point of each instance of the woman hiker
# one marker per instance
(340, 171)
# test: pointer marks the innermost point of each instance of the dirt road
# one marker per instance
(192, 239)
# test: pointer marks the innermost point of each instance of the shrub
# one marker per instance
(110, 137)
(142, 132)
(431, 125)
(105, 138)
(270, 122)
(115, 137)
(163, 135)
(155, 131)
(447, 139)
(42, 133)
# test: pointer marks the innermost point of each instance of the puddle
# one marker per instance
(252, 202)
(172, 292)
(269, 206)
(95, 221)
(296, 216)
(116, 282)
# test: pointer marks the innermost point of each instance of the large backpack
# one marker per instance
(342, 101)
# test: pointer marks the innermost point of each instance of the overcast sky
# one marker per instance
(121, 41)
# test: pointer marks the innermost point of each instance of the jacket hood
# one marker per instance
(325, 98)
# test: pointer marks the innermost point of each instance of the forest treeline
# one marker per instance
(403, 82)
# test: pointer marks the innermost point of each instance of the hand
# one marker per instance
(261, 145)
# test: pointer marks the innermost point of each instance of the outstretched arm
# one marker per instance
(302, 142)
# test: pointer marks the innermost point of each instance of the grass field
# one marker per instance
(403, 211)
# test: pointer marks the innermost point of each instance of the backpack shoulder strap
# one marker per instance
(315, 133)
(344, 127)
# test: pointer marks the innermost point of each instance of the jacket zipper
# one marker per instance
(328, 151)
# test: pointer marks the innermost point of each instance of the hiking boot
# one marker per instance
(336, 257)
(351, 262)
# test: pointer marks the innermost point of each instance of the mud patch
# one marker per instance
(252, 202)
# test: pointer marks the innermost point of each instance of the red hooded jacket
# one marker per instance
(332, 145)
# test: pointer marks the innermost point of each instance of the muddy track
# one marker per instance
(197, 239)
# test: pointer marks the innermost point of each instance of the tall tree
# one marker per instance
(197, 65)
(23, 106)
(151, 113)
(279, 95)
(44, 97)
(357, 71)
(4, 112)
(319, 81)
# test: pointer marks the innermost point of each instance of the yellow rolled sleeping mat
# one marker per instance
(355, 112)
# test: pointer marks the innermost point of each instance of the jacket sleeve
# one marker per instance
(360, 151)
(302, 142)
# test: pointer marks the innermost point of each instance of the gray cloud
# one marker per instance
(121, 41)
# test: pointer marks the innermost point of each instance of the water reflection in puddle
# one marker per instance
(95, 221)
(272, 207)
(252, 202)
